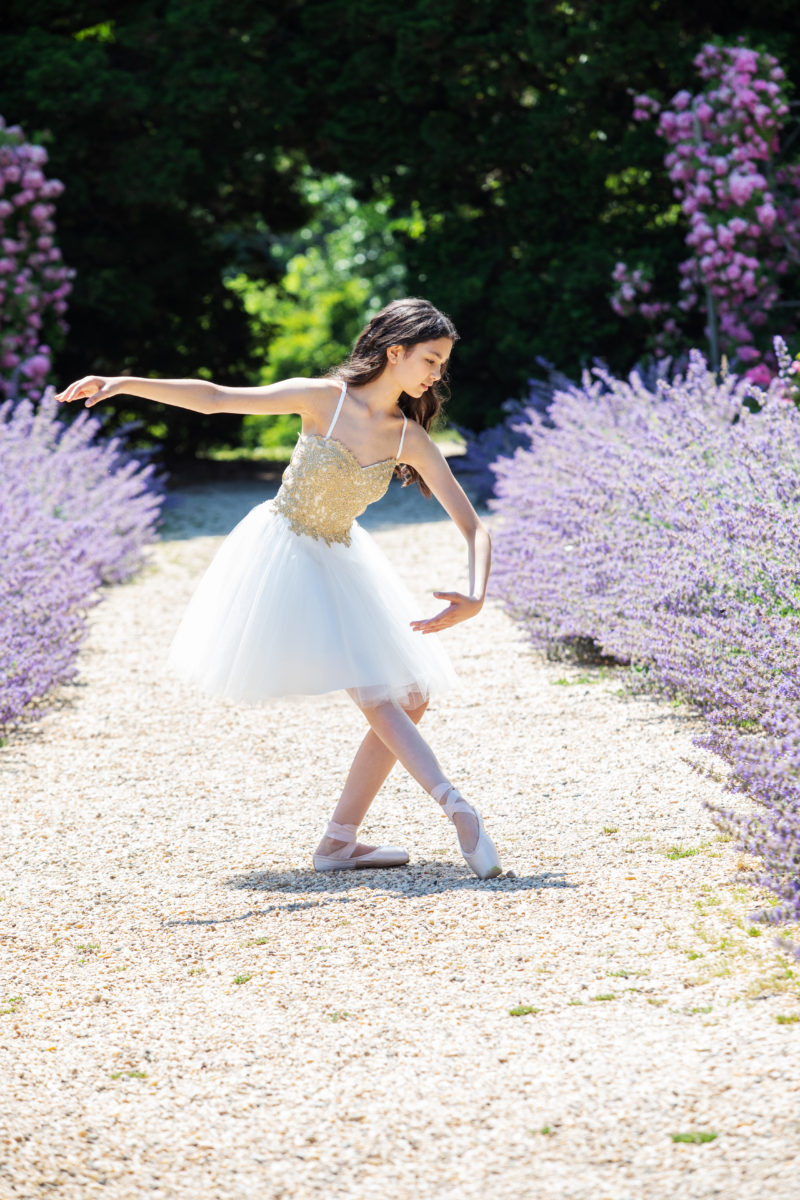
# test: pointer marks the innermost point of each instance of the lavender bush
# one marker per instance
(661, 522)
(476, 466)
(76, 512)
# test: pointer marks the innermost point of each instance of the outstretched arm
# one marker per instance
(422, 454)
(201, 395)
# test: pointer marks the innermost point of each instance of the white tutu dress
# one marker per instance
(299, 599)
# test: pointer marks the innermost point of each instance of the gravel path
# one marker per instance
(189, 1011)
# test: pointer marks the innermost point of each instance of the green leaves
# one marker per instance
(498, 140)
(336, 272)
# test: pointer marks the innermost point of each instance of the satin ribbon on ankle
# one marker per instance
(451, 800)
(341, 833)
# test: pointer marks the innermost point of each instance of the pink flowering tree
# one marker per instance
(34, 282)
(742, 208)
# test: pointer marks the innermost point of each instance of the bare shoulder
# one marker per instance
(421, 452)
(325, 385)
(321, 397)
(315, 390)
(419, 446)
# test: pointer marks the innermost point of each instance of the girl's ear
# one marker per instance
(394, 354)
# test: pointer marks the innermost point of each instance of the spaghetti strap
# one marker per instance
(402, 439)
(339, 409)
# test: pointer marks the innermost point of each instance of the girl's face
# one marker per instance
(416, 368)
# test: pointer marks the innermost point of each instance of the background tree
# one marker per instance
(510, 126)
(162, 120)
(335, 274)
(181, 127)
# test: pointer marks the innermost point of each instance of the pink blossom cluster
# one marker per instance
(631, 296)
(34, 282)
(744, 222)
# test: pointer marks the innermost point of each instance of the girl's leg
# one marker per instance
(368, 772)
(399, 734)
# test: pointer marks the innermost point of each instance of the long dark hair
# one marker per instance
(401, 323)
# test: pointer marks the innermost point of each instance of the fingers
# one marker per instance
(69, 393)
(72, 392)
(459, 609)
(436, 623)
(90, 386)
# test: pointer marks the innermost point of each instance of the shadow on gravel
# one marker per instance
(421, 879)
(342, 887)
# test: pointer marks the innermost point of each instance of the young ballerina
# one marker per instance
(299, 599)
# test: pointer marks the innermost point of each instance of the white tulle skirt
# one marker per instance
(279, 614)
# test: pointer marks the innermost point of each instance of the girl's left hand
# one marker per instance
(460, 608)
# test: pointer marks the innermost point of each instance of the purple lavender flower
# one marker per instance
(660, 521)
(76, 513)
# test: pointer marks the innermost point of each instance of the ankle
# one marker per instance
(450, 800)
(342, 831)
(332, 843)
(442, 791)
(460, 812)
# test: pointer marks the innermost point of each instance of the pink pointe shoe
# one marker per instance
(344, 859)
(483, 858)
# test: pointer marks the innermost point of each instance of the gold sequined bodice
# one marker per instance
(324, 488)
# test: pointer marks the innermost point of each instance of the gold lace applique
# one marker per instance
(325, 488)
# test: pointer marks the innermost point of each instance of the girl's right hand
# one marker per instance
(93, 387)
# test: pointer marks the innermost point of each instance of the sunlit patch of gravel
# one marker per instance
(189, 1011)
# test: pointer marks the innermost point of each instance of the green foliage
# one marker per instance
(335, 273)
(510, 127)
(499, 137)
(161, 120)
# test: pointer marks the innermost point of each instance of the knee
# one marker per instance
(384, 714)
(416, 713)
